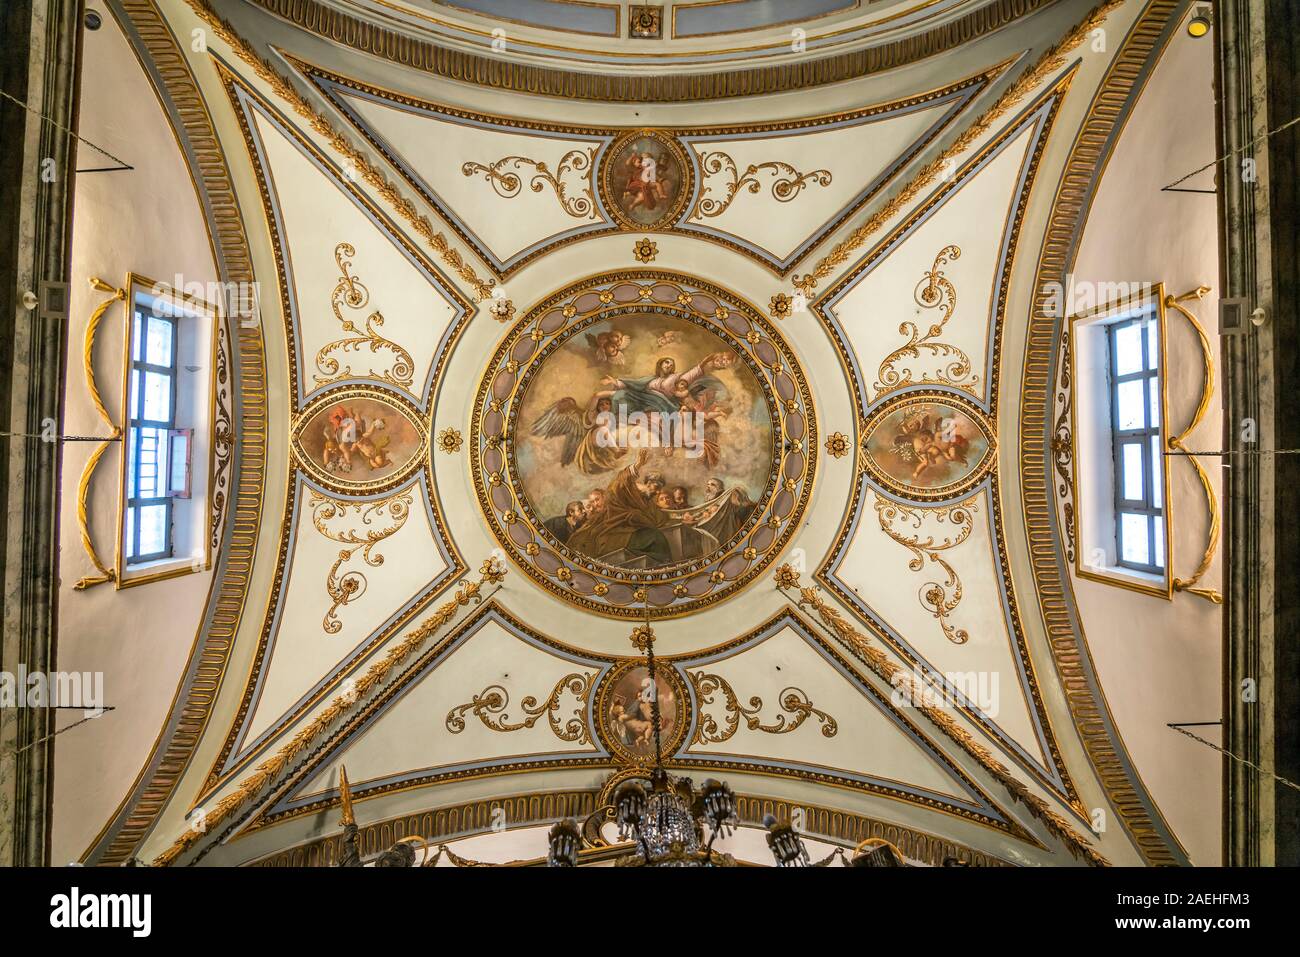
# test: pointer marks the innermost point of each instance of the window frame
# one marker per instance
(1094, 470)
(136, 424)
(191, 316)
(1152, 469)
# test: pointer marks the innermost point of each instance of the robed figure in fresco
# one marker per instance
(629, 520)
(658, 393)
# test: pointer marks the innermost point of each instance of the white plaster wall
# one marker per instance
(148, 221)
(1159, 661)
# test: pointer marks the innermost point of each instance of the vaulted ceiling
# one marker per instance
(891, 647)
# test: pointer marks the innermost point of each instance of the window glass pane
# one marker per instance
(160, 342)
(1153, 343)
(1132, 404)
(1159, 560)
(135, 394)
(1133, 473)
(153, 528)
(1157, 474)
(130, 532)
(130, 462)
(157, 397)
(1153, 389)
(1133, 545)
(138, 335)
(152, 469)
(1128, 348)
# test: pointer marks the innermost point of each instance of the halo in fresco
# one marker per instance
(928, 446)
(643, 442)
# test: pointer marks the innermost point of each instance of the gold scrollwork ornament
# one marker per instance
(349, 291)
(344, 587)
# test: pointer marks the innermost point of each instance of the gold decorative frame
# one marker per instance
(926, 397)
(1072, 324)
(399, 404)
(133, 283)
(685, 190)
(666, 673)
(620, 593)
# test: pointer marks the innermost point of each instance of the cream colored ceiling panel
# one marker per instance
(492, 699)
(925, 313)
(363, 307)
(777, 194)
(930, 576)
(784, 701)
(510, 188)
(355, 569)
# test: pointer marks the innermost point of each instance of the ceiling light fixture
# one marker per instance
(1199, 25)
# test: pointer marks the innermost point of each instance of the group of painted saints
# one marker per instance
(634, 516)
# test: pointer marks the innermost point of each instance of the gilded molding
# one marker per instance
(1175, 444)
(667, 86)
(470, 818)
(355, 158)
(1054, 593)
(197, 692)
(1053, 59)
(273, 771)
(898, 677)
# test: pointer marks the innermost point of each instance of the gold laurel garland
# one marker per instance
(356, 159)
(351, 292)
(1052, 59)
(508, 182)
(794, 701)
(934, 596)
(787, 580)
(787, 182)
(106, 574)
(272, 771)
(489, 707)
(934, 291)
(349, 586)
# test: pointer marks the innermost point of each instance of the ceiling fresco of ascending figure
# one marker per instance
(583, 357)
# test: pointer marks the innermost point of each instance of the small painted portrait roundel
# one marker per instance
(645, 180)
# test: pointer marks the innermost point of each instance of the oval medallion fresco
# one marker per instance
(645, 179)
(359, 440)
(643, 445)
(927, 446)
(624, 715)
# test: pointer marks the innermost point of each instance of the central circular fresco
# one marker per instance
(643, 443)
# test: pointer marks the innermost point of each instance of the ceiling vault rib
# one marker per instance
(1053, 59)
(275, 770)
(366, 170)
(896, 676)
